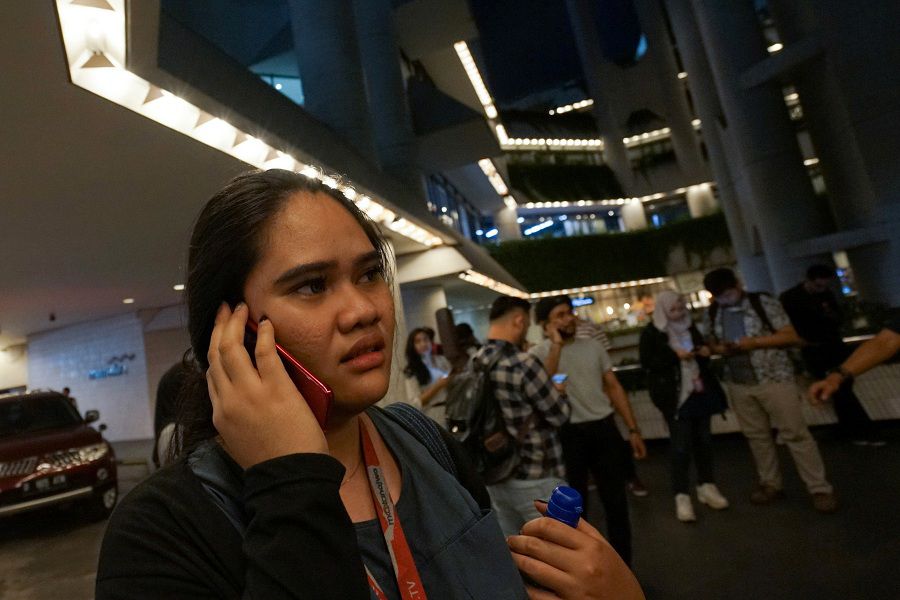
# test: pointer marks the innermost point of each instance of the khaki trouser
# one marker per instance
(763, 406)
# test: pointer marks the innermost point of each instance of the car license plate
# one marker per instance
(45, 484)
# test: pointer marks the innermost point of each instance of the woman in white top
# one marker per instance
(427, 375)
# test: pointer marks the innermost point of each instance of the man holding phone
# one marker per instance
(591, 440)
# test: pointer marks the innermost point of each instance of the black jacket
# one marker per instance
(663, 369)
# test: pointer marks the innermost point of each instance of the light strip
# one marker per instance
(647, 137)
(570, 107)
(553, 144)
(490, 171)
(614, 201)
(598, 288)
(539, 227)
(776, 47)
(485, 281)
(95, 44)
(468, 63)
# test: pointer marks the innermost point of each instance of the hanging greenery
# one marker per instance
(565, 262)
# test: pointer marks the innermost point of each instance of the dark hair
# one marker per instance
(465, 337)
(415, 366)
(506, 304)
(719, 281)
(543, 308)
(820, 271)
(225, 246)
(430, 332)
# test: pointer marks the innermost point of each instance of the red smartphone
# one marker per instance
(318, 396)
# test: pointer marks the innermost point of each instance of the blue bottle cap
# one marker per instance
(565, 505)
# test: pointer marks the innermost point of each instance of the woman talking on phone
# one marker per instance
(263, 503)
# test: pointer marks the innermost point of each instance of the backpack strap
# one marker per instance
(759, 309)
(424, 430)
(222, 484)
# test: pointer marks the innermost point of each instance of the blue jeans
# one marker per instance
(513, 500)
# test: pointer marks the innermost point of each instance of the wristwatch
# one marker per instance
(844, 373)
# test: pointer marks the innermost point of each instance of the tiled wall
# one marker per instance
(65, 357)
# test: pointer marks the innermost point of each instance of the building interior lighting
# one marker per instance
(490, 171)
(128, 301)
(539, 227)
(682, 75)
(178, 287)
(599, 288)
(468, 63)
(614, 201)
(776, 47)
(485, 281)
(510, 202)
(96, 46)
(570, 107)
(491, 233)
(811, 161)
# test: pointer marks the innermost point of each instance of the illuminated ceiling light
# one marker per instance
(98, 60)
(202, 119)
(696, 123)
(128, 301)
(178, 287)
(101, 4)
(278, 86)
(811, 161)
(682, 75)
(309, 172)
(468, 63)
(776, 47)
(510, 203)
(491, 111)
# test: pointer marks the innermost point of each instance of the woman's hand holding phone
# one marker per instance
(571, 562)
(257, 411)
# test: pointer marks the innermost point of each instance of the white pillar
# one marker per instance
(633, 215)
(506, 220)
(701, 201)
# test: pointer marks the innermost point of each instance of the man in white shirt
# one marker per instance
(591, 440)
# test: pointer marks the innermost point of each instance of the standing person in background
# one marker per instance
(585, 328)
(687, 393)
(466, 339)
(591, 440)
(751, 330)
(427, 375)
(533, 411)
(648, 303)
(870, 354)
(816, 315)
(165, 414)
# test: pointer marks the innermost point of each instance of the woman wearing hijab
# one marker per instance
(687, 393)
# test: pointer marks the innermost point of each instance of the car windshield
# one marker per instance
(22, 415)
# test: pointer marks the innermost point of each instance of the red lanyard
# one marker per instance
(408, 581)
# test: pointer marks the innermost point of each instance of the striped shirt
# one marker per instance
(523, 388)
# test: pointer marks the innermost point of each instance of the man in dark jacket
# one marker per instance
(816, 315)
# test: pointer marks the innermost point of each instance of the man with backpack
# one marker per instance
(751, 330)
(532, 410)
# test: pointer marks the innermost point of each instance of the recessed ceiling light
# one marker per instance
(128, 301)
(178, 287)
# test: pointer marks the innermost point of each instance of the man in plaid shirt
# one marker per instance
(533, 409)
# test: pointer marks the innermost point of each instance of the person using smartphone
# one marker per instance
(427, 375)
(357, 510)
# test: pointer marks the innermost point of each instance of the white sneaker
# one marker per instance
(684, 508)
(710, 495)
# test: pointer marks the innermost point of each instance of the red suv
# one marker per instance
(50, 455)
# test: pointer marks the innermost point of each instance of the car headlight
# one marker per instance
(91, 453)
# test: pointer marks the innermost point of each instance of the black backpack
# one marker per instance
(474, 418)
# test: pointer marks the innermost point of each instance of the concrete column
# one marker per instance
(701, 201)
(678, 112)
(329, 60)
(392, 130)
(751, 262)
(849, 188)
(506, 220)
(768, 154)
(634, 216)
(419, 305)
(601, 76)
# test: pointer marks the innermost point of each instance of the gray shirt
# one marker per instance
(585, 361)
